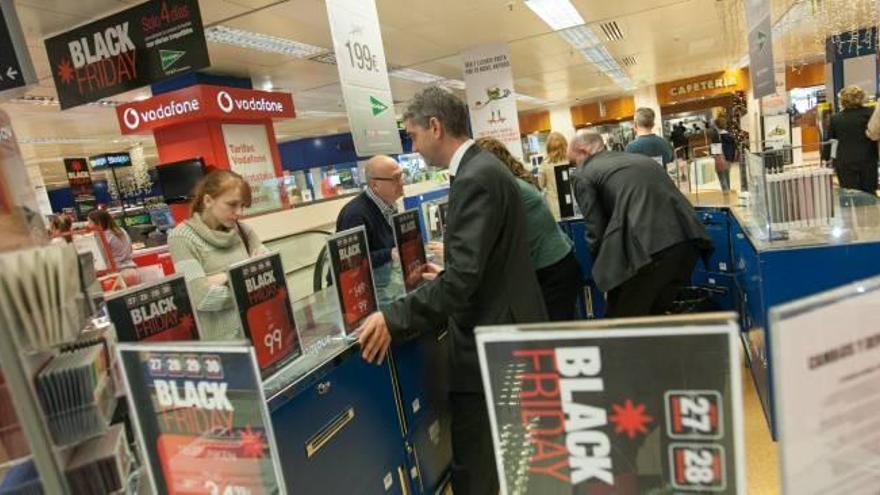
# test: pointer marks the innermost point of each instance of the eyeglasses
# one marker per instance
(394, 178)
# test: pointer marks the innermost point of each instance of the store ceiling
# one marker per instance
(661, 39)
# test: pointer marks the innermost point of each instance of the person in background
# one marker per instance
(550, 250)
(59, 228)
(488, 278)
(203, 247)
(856, 161)
(679, 140)
(119, 243)
(646, 142)
(719, 135)
(643, 234)
(374, 209)
(557, 150)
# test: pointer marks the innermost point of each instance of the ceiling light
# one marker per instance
(53, 101)
(319, 114)
(328, 58)
(261, 42)
(532, 100)
(58, 140)
(452, 84)
(563, 18)
(414, 75)
(558, 14)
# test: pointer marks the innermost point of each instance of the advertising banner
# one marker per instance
(201, 418)
(488, 79)
(411, 248)
(760, 38)
(154, 312)
(16, 68)
(363, 73)
(80, 180)
(352, 276)
(127, 50)
(201, 102)
(639, 408)
(826, 370)
(260, 291)
(110, 160)
(247, 148)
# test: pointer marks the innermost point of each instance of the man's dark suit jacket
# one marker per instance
(854, 149)
(488, 277)
(632, 211)
(363, 211)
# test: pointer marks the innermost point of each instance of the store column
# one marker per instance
(646, 96)
(229, 128)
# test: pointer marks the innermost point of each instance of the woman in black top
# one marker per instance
(856, 162)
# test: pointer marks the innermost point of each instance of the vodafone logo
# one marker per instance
(131, 119)
(224, 101)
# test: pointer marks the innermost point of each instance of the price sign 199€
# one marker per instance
(361, 57)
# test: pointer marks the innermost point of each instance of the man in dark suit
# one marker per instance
(643, 234)
(488, 278)
(374, 207)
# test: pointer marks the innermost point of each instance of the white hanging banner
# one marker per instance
(363, 73)
(488, 79)
(760, 47)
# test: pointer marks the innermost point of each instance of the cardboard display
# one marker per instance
(352, 276)
(154, 312)
(411, 248)
(263, 303)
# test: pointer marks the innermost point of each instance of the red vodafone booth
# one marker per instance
(229, 128)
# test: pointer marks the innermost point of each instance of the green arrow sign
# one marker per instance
(169, 57)
(762, 40)
(378, 106)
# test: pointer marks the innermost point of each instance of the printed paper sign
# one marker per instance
(352, 276)
(260, 291)
(488, 80)
(133, 48)
(825, 369)
(201, 418)
(592, 410)
(410, 248)
(154, 312)
(247, 148)
(363, 73)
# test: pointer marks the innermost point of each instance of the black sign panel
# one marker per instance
(352, 276)
(201, 418)
(127, 50)
(260, 291)
(410, 248)
(618, 411)
(80, 180)
(16, 68)
(156, 312)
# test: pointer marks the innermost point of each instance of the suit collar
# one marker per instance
(594, 155)
(459, 156)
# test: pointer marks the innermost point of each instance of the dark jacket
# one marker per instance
(632, 211)
(363, 211)
(854, 149)
(727, 141)
(488, 280)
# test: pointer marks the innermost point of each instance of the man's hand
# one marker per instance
(374, 338)
(431, 271)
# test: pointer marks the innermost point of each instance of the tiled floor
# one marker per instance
(762, 460)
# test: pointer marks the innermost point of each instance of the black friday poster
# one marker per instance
(352, 276)
(201, 418)
(154, 312)
(410, 248)
(260, 291)
(615, 411)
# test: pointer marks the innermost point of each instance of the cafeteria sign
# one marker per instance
(133, 48)
(707, 84)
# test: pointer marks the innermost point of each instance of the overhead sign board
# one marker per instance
(760, 47)
(16, 68)
(201, 102)
(363, 73)
(133, 48)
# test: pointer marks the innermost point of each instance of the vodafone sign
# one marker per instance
(202, 102)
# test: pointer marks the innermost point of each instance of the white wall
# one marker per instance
(560, 121)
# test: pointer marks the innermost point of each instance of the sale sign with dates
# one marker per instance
(623, 407)
(260, 291)
(201, 419)
(352, 276)
(154, 312)
(363, 73)
(411, 248)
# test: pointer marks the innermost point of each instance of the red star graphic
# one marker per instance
(186, 323)
(252, 444)
(76, 166)
(630, 420)
(65, 71)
